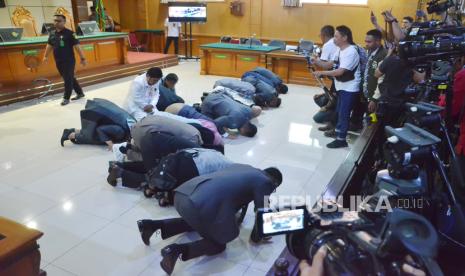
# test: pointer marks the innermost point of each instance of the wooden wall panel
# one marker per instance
(113, 10)
(292, 24)
(305, 22)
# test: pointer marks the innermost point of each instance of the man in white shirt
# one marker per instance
(347, 82)
(327, 113)
(144, 94)
(329, 51)
(172, 32)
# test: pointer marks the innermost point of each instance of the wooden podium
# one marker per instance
(19, 251)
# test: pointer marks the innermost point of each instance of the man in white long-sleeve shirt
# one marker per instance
(144, 94)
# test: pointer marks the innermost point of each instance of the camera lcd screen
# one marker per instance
(284, 221)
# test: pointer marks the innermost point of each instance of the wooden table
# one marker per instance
(21, 61)
(232, 60)
(19, 251)
(291, 67)
(154, 39)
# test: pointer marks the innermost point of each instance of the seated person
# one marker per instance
(212, 217)
(167, 92)
(102, 122)
(171, 172)
(143, 96)
(229, 114)
(244, 92)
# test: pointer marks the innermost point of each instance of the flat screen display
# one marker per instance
(187, 12)
(284, 221)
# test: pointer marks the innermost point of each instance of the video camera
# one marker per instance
(438, 6)
(441, 46)
(356, 245)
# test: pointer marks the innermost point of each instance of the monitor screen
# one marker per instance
(187, 12)
(88, 28)
(284, 221)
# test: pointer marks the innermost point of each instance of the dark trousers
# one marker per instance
(158, 145)
(359, 110)
(191, 250)
(102, 134)
(322, 117)
(168, 44)
(190, 112)
(66, 70)
(132, 174)
(345, 102)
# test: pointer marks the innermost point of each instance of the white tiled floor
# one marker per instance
(90, 227)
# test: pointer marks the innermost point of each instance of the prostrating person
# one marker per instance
(102, 122)
(230, 114)
(208, 205)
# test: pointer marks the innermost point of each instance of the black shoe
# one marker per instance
(110, 165)
(64, 102)
(65, 135)
(113, 175)
(206, 94)
(78, 96)
(145, 231)
(326, 127)
(330, 133)
(336, 144)
(170, 255)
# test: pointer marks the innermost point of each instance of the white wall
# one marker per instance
(42, 10)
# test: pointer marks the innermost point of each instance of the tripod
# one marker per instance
(188, 42)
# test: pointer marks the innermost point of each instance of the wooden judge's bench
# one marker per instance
(21, 61)
(19, 251)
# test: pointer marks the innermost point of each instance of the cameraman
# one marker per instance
(327, 113)
(397, 74)
(347, 82)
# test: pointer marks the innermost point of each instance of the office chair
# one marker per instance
(305, 46)
(278, 43)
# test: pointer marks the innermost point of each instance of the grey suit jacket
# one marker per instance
(155, 123)
(209, 203)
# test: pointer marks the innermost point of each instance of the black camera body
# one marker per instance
(438, 6)
(356, 245)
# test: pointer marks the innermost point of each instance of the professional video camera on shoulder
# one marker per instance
(356, 245)
(435, 40)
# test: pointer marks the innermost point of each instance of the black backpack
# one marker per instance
(163, 177)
